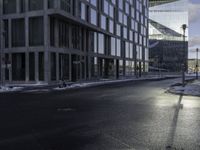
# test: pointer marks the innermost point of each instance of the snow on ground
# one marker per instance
(192, 89)
(104, 81)
(9, 89)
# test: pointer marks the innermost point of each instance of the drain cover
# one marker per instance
(66, 109)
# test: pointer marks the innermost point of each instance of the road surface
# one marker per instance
(123, 116)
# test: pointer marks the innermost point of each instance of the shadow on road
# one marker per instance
(170, 140)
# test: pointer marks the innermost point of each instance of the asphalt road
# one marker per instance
(124, 116)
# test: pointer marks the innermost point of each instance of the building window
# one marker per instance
(131, 35)
(106, 7)
(127, 50)
(63, 33)
(101, 43)
(113, 46)
(111, 26)
(36, 31)
(103, 22)
(22, 6)
(83, 11)
(31, 66)
(131, 50)
(9, 6)
(6, 34)
(50, 3)
(120, 17)
(111, 11)
(64, 66)
(75, 37)
(35, 5)
(121, 4)
(118, 47)
(125, 32)
(66, 5)
(41, 66)
(118, 30)
(127, 8)
(125, 21)
(18, 32)
(93, 2)
(53, 66)
(52, 31)
(18, 67)
(93, 16)
(93, 42)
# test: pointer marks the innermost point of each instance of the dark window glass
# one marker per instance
(18, 67)
(53, 66)
(63, 34)
(52, 31)
(36, 31)
(35, 4)
(31, 66)
(5, 34)
(66, 5)
(75, 37)
(18, 32)
(9, 6)
(6, 69)
(41, 66)
(64, 66)
(50, 3)
(22, 6)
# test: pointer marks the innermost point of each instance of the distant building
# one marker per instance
(166, 47)
(51, 40)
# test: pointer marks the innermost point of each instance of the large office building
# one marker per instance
(52, 40)
(168, 45)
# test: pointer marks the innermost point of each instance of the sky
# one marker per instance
(194, 27)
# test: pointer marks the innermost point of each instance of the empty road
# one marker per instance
(123, 116)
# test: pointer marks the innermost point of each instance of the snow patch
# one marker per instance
(192, 89)
(4, 89)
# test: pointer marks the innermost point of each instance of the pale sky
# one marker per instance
(194, 27)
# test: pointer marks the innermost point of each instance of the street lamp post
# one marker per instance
(184, 26)
(197, 64)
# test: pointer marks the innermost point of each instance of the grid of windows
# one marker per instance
(116, 29)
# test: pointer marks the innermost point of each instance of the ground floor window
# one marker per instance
(41, 66)
(18, 67)
(64, 66)
(7, 67)
(94, 67)
(129, 68)
(53, 66)
(121, 68)
(32, 66)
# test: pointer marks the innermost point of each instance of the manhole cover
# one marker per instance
(65, 109)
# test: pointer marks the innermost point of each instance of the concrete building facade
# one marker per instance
(52, 40)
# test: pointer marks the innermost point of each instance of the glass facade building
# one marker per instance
(167, 47)
(52, 40)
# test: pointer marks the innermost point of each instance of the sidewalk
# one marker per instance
(190, 89)
(74, 85)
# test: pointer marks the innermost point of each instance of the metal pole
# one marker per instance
(197, 64)
(184, 26)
